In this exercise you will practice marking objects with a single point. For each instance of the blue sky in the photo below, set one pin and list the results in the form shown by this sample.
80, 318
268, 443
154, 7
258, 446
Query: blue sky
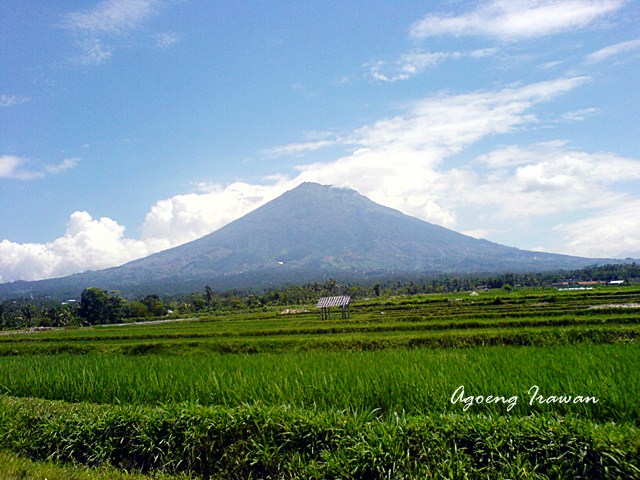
127, 127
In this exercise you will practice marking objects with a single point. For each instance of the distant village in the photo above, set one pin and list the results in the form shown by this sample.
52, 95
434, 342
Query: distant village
582, 285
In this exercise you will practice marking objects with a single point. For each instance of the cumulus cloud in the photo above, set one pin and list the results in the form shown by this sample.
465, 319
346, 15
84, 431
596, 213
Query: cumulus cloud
517, 19
402, 162
400, 178
182, 218
611, 233
87, 244
549, 178
396, 161
91, 244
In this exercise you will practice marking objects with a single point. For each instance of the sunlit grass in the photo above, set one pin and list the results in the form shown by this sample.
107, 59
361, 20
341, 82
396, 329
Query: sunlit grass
15, 467
415, 381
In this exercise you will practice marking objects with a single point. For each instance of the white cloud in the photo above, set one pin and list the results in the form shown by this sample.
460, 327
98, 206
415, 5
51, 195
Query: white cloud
90, 244
25, 261
514, 155
546, 179
66, 164
613, 232
98, 28
448, 123
517, 19
401, 162
182, 218
407, 66
551, 65
613, 50
15, 168
483, 52
303, 147
579, 115
416, 62
551, 160
166, 39
110, 16
8, 165
399, 178
94, 51
398, 161
315, 140
87, 244
12, 100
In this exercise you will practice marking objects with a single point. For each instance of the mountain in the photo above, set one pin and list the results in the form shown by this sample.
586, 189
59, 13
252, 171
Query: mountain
307, 234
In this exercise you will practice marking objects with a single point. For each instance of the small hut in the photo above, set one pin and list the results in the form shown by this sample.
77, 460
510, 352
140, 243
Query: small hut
325, 304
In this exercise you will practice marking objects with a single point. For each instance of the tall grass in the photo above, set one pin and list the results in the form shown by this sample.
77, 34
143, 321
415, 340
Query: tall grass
414, 381
283, 442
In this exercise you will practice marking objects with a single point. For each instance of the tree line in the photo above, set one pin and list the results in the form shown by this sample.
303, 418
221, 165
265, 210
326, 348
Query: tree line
97, 306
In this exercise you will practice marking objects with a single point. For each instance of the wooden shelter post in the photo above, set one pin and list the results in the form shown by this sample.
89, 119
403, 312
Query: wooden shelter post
325, 304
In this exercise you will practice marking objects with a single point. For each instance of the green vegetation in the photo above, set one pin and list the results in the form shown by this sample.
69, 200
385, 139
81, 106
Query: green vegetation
16, 467
96, 306
262, 442
254, 393
416, 382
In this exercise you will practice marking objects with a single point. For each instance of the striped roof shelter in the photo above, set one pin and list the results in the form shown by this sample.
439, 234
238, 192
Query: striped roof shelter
325, 303
334, 301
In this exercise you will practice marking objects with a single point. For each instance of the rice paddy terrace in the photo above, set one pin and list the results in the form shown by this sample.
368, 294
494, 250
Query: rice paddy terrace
409, 387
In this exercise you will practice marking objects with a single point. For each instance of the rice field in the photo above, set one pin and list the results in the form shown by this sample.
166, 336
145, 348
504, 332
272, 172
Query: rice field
544, 383
411, 381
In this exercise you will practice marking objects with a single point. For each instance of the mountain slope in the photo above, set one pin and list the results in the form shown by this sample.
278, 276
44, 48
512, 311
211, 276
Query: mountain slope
328, 228
315, 230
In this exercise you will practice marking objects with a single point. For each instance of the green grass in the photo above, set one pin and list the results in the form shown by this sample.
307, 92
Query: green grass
256, 394
16, 467
414, 381
539, 318
283, 442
